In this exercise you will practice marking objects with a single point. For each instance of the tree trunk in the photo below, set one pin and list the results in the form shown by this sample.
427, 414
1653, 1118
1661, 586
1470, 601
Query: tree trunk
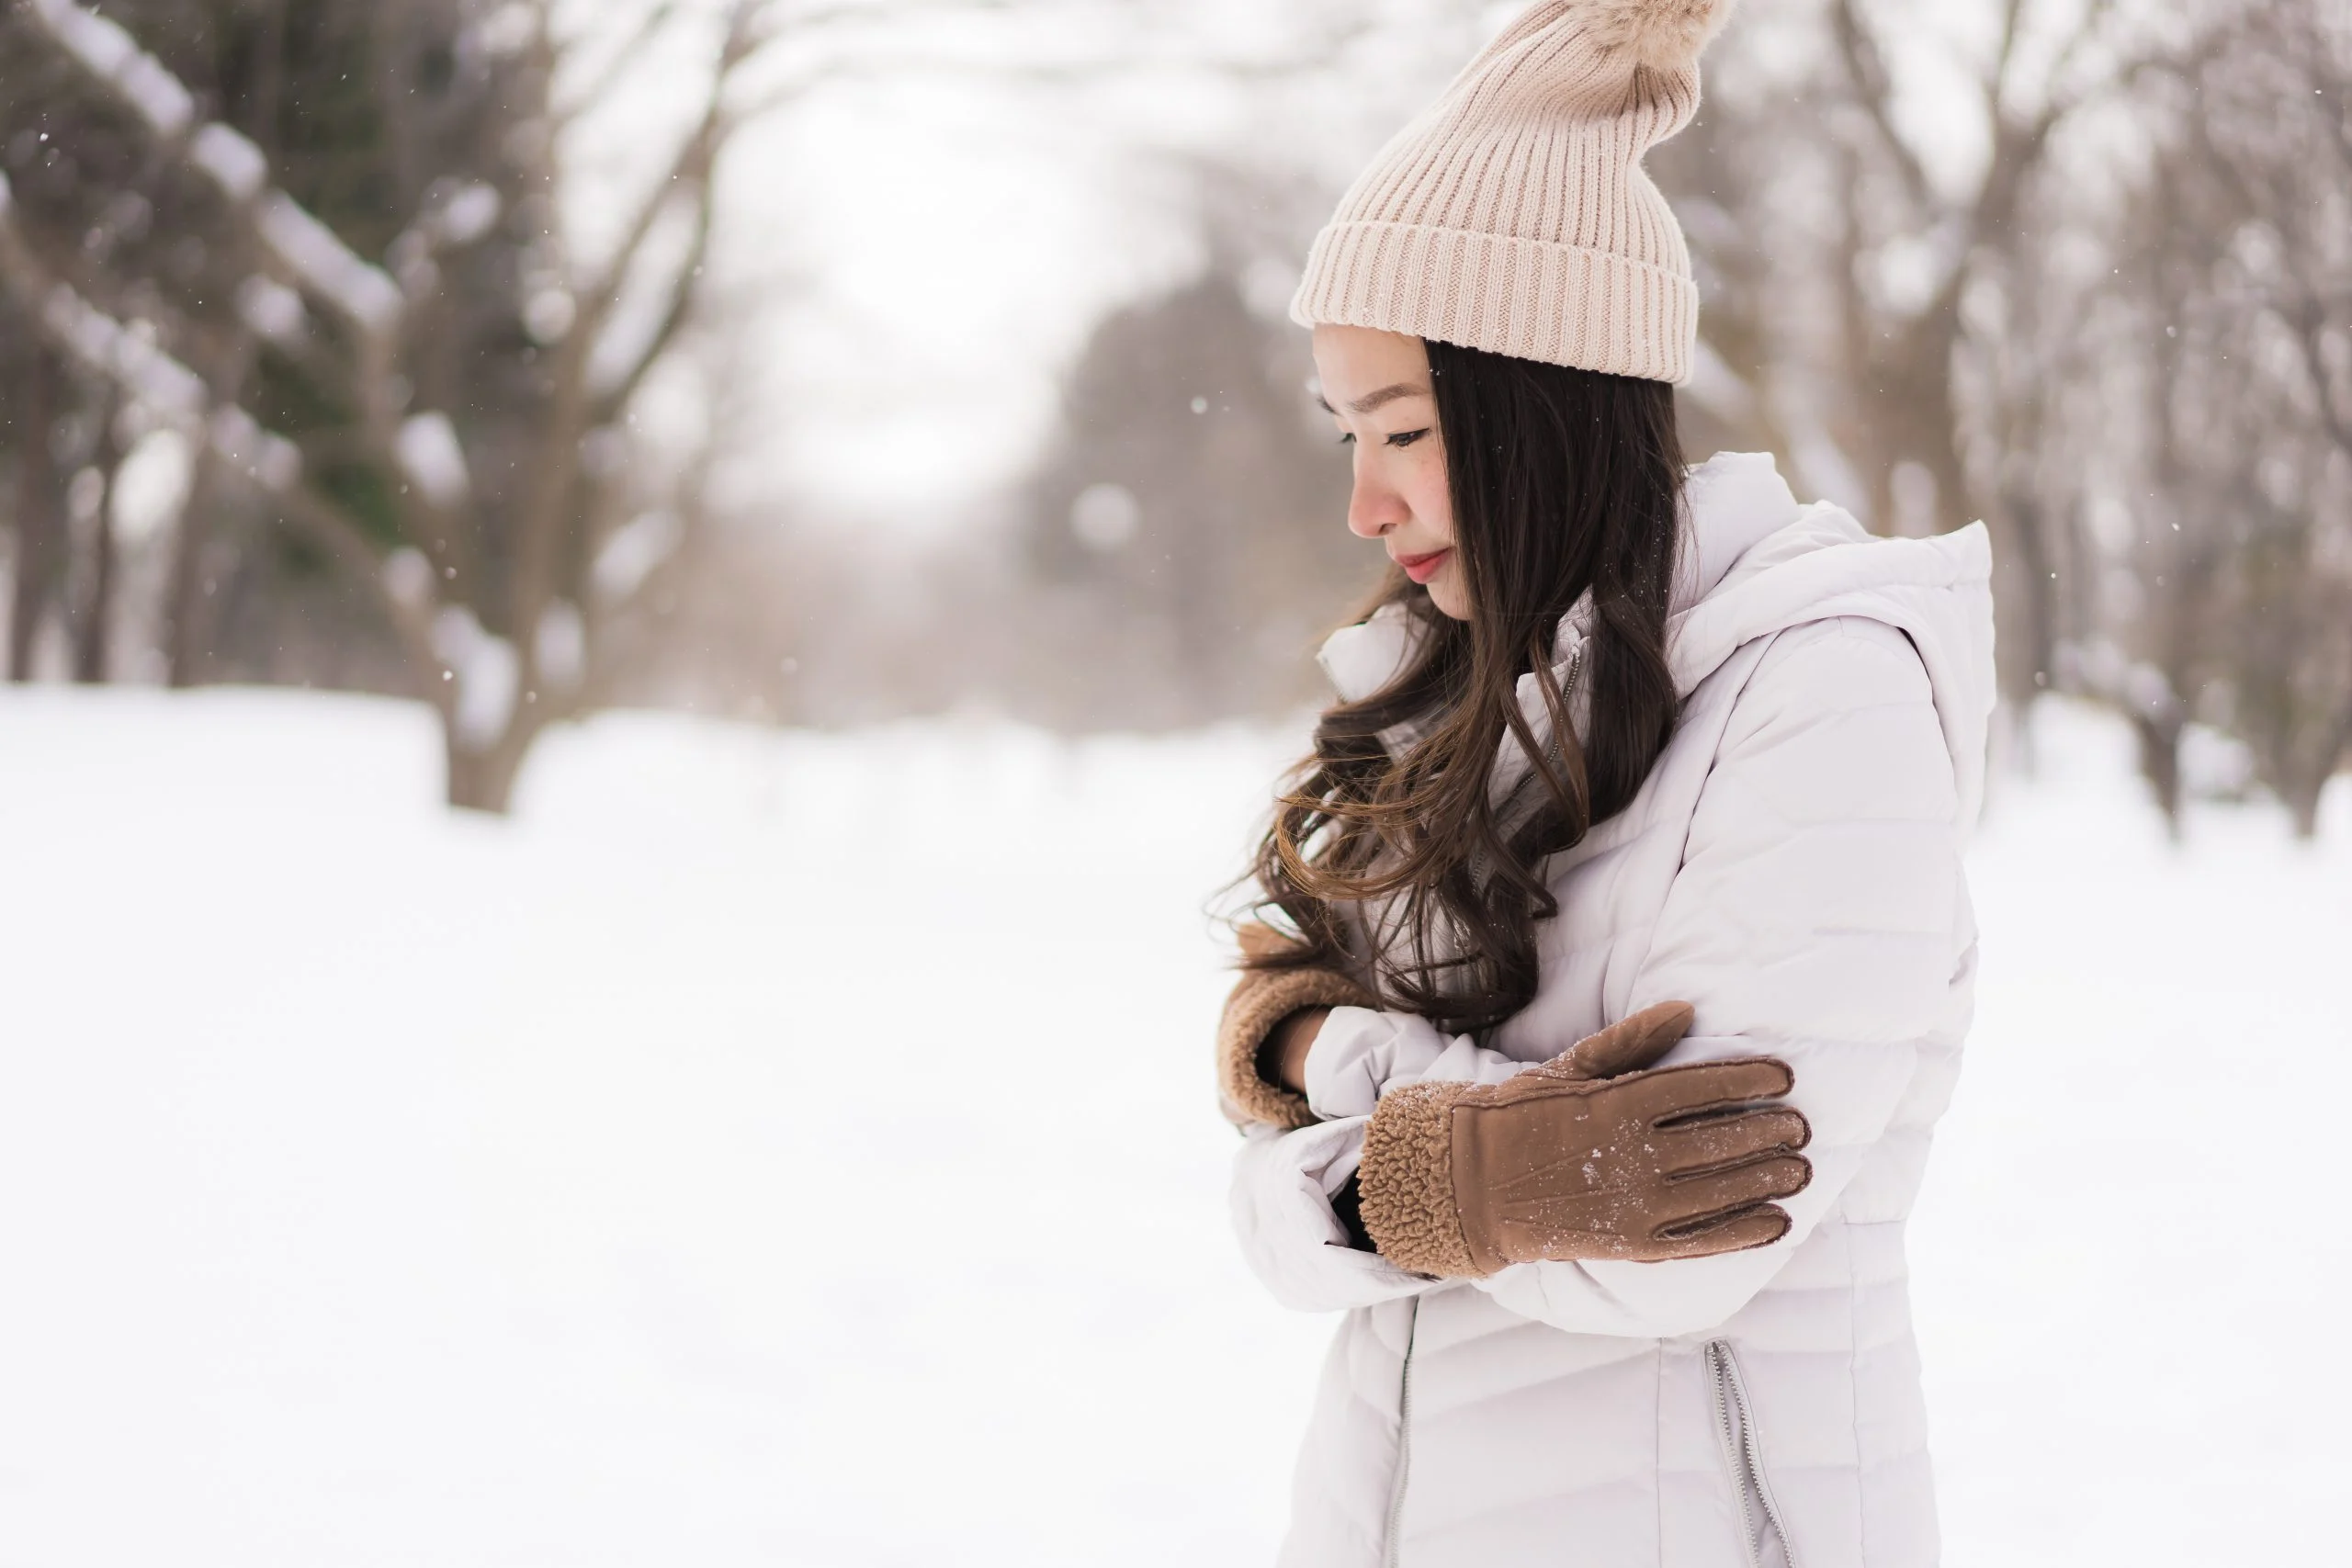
2160, 765
93, 628
91, 641
41, 514
2308, 776
2303, 804
187, 640
188, 622
2033, 601
484, 780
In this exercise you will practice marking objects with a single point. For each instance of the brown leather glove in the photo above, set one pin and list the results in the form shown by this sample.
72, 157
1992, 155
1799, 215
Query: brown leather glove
1568, 1161
1260, 1001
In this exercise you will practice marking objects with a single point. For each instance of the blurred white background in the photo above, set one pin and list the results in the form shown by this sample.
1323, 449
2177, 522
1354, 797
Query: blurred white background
639, 636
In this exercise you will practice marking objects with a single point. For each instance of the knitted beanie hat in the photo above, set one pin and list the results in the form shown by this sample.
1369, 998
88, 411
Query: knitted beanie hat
1513, 214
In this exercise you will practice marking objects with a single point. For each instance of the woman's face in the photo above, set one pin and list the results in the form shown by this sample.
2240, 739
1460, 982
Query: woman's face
1376, 385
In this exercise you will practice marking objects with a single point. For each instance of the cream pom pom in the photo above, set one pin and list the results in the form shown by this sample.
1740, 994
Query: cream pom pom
1665, 35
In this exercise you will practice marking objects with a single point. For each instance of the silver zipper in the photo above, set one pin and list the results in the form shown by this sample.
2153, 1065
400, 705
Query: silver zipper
1393, 1550
1735, 1426
1575, 672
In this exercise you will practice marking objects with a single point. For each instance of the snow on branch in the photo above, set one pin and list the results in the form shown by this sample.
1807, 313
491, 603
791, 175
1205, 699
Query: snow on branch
108, 53
308, 250
484, 669
561, 644
129, 357
408, 578
271, 308
232, 163
268, 456
176, 396
315, 253
179, 398
470, 212
633, 554
434, 460
456, 214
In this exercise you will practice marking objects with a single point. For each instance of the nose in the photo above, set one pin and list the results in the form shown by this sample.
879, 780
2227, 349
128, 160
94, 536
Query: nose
1374, 508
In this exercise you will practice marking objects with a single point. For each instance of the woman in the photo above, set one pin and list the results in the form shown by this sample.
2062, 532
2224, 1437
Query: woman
1661, 767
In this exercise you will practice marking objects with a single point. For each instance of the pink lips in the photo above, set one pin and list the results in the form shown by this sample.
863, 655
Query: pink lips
1421, 569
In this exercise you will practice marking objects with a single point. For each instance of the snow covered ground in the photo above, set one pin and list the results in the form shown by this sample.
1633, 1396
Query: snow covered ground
796, 1150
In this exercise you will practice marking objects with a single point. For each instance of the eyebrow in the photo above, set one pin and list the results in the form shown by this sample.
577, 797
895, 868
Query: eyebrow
1372, 401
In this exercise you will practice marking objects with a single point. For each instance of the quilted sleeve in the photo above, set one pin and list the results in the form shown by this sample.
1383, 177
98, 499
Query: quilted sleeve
1282, 1180
1817, 917
1291, 1237
1362, 1053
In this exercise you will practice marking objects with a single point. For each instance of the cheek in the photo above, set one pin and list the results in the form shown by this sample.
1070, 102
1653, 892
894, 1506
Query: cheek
1425, 488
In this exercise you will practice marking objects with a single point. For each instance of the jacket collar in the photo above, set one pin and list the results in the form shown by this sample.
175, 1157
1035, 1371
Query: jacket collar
1754, 562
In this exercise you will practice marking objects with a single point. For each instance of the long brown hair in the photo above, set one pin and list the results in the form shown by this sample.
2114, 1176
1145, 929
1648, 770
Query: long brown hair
1562, 482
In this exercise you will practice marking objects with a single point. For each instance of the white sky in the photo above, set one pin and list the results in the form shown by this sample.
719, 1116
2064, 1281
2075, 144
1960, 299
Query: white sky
919, 251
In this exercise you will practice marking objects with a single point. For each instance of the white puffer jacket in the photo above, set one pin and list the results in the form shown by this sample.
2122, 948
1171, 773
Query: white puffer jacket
1791, 868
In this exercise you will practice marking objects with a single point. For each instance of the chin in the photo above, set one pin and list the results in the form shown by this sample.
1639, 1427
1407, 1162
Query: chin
1447, 594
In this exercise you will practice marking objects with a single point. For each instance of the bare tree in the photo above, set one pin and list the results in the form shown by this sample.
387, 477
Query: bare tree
40, 512
2243, 555
1918, 255
450, 428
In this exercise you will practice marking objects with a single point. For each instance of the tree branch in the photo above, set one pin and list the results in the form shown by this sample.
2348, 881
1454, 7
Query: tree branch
1866, 68
305, 250
691, 165
155, 380
2309, 319
612, 400
2012, 13
623, 58
2095, 17
299, 248
572, 407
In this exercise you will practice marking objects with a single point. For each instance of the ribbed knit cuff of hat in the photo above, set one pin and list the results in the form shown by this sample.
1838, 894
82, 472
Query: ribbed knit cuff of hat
1528, 298
1259, 1004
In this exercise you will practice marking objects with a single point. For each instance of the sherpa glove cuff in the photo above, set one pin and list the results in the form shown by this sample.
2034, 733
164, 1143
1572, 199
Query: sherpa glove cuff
1260, 1002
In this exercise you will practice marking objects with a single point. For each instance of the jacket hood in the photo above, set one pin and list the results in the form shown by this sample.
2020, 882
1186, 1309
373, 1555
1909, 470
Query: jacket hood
1755, 562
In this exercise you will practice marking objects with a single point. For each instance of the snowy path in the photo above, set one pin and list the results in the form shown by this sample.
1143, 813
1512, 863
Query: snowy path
789, 1150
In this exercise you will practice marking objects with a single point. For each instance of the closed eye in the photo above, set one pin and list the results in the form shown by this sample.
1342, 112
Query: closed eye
1405, 437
